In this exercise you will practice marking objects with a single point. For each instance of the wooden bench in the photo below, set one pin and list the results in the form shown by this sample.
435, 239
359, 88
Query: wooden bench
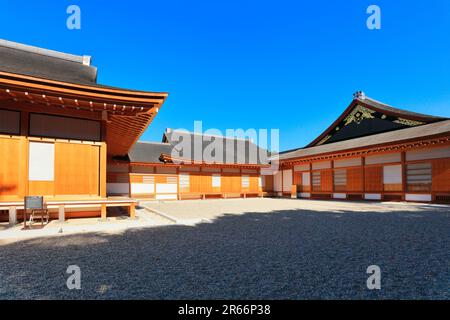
12, 207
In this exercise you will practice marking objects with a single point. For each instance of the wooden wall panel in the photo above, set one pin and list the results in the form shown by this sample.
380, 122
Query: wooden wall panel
77, 169
231, 182
268, 183
254, 183
326, 181
10, 166
195, 182
41, 188
441, 176
355, 179
393, 187
374, 179
297, 178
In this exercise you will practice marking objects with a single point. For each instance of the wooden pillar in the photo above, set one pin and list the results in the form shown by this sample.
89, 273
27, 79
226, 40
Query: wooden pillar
103, 210
23, 171
178, 183
363, 163
332, 178
103, 170
403, 159
132, 211
294, 192
61, 214
12, 216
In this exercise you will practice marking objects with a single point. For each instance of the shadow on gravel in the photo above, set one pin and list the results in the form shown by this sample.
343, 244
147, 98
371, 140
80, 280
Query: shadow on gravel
292, 254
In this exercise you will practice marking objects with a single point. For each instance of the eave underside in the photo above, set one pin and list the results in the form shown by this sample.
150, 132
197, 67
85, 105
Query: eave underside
126, 114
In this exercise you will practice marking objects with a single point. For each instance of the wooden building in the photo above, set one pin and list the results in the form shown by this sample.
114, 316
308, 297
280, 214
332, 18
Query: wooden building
58, 127
152, 171
372, 152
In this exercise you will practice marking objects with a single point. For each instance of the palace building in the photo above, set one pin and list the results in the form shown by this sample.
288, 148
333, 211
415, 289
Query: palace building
152, 170
74, 141
371, 152
59, 127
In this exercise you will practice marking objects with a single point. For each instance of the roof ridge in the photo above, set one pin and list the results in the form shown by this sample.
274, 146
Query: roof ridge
395, 109
84, 59
207, 135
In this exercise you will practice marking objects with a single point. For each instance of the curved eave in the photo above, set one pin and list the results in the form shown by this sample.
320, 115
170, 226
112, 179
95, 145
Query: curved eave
82, 91
123, 129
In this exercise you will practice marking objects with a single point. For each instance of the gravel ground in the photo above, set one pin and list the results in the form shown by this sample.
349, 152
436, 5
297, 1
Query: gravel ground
320, 251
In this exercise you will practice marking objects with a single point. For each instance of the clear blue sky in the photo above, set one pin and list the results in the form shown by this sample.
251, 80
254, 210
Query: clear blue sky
291, 65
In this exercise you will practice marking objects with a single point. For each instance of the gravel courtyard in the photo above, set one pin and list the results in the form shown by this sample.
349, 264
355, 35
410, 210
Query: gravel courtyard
245, 249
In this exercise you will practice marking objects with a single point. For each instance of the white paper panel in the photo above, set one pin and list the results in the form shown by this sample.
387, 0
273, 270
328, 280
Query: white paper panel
216, 180
372, 196
287, 180
245, 181
432, 153
392, 174
117, 188
306, 178
321, 165
384, 158
166, 188
277, 181
184, 180
41, 162
352, 162
418, 197
339, 196
261, 182
142, 188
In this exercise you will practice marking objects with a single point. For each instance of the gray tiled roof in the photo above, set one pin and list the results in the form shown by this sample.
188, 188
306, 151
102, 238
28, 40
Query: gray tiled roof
148, 152
235, 150
42, 63
423, 131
